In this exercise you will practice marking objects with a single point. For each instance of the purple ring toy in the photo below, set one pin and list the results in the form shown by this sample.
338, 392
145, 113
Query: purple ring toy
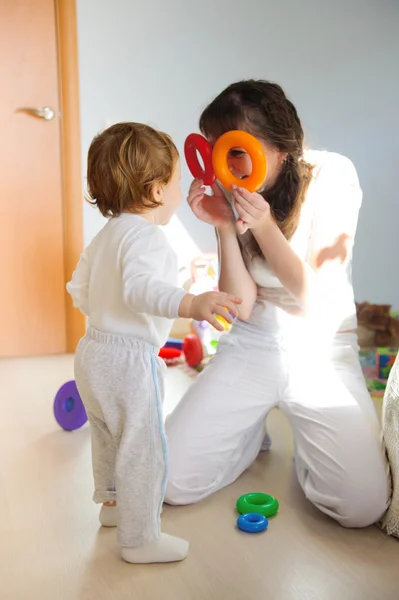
69, 411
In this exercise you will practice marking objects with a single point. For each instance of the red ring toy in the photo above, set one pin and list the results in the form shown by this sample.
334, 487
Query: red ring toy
196, 142
193, 350
170, 356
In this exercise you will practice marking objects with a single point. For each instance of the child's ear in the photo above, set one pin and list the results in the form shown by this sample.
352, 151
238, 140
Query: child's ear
157, 193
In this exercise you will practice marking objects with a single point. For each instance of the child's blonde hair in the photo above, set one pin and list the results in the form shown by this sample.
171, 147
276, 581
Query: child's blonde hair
124, 164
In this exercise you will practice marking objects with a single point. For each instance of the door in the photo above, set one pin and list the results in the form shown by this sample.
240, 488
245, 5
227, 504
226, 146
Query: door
32, 299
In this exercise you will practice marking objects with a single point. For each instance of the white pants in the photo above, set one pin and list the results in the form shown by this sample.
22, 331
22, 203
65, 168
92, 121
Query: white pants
216, 432
120, 381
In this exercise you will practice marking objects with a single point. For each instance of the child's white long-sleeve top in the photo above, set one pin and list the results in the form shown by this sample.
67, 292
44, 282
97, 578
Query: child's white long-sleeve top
126, 281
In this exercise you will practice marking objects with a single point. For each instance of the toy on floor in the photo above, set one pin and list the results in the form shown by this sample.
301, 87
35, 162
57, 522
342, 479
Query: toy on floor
190, 348
171, 356
196, 346
174, 343
207, 340
252, 523
378, 326
258, 503
193, 350
68, 407
216, 159
385, 360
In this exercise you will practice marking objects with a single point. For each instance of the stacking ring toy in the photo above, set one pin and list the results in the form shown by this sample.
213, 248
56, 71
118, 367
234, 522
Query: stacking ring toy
193, 350
261, 504
195, 142
252, 523
239, 139
68, 407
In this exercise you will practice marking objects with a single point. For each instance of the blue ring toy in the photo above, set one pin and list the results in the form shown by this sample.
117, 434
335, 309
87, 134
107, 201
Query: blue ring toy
252, 523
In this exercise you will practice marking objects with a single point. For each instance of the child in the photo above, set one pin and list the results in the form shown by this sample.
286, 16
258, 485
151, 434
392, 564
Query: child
125, 283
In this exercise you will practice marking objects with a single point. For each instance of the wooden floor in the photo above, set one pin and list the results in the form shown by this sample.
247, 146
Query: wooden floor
51, 547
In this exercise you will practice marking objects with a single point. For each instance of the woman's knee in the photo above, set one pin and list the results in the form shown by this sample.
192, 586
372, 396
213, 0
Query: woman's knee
356, 500
353, 489
365, 486
184, 489
177, 496
363, 505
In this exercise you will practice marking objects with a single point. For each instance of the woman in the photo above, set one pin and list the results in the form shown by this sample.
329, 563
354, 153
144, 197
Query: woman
294, 345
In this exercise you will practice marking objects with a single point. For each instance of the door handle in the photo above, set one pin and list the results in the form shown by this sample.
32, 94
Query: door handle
43, 112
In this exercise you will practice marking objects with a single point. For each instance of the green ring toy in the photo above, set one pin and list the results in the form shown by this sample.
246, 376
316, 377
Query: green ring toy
256, 502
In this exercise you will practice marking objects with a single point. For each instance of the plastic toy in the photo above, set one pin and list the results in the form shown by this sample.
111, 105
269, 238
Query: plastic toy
239, 139
204, 276
193, 350
204, 271
256, 502
171, 356
252, 523
68, 407
197, 143
385, 360
174, 343
216, 160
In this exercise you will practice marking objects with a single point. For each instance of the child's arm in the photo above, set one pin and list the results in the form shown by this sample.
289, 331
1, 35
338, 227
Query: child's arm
148, 269
78, 287
149, 275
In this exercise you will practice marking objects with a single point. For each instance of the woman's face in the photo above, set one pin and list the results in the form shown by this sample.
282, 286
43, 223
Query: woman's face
240, 163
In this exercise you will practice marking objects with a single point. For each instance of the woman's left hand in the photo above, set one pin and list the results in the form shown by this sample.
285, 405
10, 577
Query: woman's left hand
252, 209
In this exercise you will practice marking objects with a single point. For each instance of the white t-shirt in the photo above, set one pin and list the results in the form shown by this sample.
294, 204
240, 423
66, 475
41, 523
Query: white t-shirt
331, 207
126, 281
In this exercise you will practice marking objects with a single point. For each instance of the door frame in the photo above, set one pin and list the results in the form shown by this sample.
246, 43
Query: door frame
72, 190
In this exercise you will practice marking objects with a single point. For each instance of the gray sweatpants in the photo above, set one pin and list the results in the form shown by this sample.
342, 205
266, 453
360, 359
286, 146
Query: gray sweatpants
120, 380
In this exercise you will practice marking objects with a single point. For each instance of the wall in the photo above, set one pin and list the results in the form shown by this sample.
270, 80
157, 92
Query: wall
161, 61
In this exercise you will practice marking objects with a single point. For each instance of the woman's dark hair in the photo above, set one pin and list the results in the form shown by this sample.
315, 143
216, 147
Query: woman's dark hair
263, 109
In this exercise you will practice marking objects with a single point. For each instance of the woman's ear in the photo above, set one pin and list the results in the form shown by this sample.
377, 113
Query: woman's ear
282, 157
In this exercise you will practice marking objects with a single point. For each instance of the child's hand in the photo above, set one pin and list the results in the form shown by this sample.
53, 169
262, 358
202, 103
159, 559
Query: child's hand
215, 209
205, 306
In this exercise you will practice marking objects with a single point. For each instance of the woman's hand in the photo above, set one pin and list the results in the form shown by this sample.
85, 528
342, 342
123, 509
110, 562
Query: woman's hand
215, 209
252, 209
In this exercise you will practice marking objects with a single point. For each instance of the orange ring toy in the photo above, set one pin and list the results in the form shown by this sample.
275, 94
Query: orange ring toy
239, 139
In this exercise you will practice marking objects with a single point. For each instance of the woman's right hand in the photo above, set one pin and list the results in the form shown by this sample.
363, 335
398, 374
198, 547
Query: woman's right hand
214, 210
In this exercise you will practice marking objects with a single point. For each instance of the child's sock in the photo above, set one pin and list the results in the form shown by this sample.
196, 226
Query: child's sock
109, 516
166, 548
